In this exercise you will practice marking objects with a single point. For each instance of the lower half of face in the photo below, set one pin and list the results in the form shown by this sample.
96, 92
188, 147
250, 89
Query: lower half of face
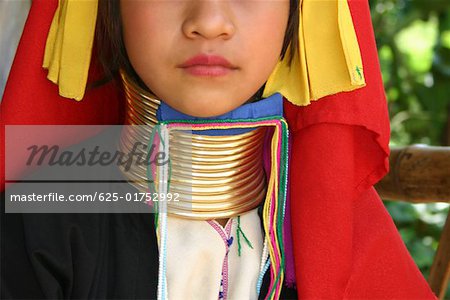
204, 58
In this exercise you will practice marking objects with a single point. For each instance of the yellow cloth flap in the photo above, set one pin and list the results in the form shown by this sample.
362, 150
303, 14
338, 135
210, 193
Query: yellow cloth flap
69, 46
329, 59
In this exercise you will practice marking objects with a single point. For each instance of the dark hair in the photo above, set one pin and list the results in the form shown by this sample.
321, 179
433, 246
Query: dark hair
111, 48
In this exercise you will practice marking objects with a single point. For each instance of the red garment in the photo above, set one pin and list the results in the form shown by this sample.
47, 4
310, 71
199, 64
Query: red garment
345, 243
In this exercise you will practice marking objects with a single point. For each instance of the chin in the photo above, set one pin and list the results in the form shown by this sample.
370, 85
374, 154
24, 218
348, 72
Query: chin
206, 108
202, 111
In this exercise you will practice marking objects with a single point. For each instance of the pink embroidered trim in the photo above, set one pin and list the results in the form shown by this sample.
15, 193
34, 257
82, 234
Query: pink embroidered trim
225, 234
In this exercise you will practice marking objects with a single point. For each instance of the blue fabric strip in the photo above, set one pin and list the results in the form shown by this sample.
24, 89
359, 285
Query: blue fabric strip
268, 107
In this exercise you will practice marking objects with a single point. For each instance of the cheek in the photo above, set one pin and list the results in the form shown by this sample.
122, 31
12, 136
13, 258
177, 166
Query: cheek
265, 36
147, 32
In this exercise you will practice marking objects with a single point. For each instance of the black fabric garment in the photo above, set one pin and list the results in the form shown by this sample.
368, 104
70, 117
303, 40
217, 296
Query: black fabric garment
79, 256
84, 255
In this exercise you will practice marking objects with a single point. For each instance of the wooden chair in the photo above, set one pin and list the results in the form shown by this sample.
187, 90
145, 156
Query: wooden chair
421, 174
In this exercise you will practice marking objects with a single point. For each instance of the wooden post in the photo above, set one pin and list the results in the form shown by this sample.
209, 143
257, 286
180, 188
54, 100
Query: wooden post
440, 270
417, 174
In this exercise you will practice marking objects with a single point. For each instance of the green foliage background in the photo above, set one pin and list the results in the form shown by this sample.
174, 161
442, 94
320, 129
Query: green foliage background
413, 39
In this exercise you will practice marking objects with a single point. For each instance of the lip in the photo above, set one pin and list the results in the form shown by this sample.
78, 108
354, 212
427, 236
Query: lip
208, 65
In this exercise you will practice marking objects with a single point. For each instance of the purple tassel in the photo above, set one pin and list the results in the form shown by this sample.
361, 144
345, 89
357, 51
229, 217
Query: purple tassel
287, 239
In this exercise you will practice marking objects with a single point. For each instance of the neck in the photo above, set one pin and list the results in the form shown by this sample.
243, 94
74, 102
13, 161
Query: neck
214, 176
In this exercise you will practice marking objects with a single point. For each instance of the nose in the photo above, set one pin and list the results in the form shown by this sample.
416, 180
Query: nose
208, 19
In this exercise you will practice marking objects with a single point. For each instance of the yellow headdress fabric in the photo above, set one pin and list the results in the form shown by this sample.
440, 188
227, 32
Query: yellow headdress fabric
69, 46
328, 60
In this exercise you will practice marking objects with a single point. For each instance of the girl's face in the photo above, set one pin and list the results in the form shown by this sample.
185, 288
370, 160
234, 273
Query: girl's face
204, 57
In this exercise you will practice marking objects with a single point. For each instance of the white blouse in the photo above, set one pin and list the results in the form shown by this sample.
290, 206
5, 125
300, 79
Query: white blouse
203, 260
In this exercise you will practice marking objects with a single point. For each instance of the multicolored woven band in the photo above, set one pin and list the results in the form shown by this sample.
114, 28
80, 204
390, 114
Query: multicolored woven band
275, 201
